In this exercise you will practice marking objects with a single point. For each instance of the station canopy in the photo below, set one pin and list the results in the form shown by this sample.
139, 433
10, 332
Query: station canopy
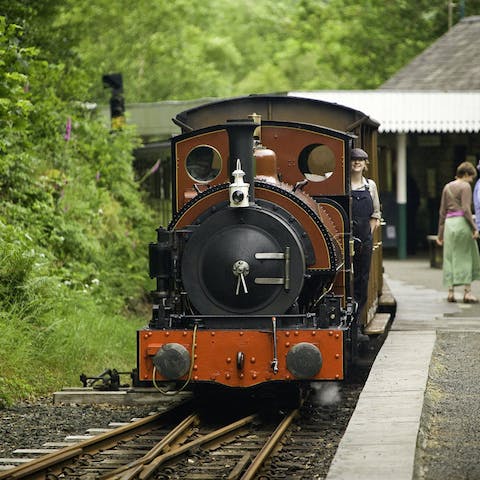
420, 111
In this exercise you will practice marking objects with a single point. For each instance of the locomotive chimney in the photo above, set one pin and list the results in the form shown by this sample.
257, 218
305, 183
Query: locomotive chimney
240, 135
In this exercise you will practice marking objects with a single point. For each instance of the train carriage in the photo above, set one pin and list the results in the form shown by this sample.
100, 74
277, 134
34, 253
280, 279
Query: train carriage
254, 271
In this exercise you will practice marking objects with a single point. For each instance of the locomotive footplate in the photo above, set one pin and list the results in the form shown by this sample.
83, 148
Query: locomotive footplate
241, 358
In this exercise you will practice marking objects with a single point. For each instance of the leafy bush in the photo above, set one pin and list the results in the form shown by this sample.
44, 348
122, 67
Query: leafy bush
73, 228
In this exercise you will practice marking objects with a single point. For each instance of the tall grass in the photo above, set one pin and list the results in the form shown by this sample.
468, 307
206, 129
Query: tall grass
43, 353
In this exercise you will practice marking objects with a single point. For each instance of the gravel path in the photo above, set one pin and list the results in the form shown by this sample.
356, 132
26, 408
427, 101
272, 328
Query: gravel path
448, 445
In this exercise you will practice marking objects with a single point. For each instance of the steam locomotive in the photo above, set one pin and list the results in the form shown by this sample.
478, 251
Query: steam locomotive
254, 272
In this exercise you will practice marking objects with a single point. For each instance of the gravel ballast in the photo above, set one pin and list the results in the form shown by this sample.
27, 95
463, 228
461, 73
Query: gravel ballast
31, 424
448, 443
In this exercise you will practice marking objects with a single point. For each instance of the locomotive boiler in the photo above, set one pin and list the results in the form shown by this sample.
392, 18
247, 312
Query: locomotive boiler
254, 272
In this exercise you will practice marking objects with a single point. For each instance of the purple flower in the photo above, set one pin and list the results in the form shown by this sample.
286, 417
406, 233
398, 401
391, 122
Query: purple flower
68, 129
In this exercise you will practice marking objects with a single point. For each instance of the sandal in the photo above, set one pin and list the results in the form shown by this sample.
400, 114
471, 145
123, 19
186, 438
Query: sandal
451, 297
469, 298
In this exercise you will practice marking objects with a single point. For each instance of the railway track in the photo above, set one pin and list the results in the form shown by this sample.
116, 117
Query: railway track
211, 440
146, 447
57, 463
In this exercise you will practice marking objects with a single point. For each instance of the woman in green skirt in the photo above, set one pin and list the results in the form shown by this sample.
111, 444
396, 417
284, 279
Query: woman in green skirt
457, 232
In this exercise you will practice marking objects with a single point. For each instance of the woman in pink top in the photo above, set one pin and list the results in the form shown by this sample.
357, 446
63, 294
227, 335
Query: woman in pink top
457, 232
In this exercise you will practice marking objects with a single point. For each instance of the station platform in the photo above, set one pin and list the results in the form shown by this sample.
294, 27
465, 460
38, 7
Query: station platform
418, 415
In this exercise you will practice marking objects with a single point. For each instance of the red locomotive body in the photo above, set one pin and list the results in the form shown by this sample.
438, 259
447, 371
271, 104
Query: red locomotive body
254, 278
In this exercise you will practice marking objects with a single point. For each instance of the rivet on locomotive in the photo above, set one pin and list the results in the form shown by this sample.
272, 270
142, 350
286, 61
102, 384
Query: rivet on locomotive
254, 272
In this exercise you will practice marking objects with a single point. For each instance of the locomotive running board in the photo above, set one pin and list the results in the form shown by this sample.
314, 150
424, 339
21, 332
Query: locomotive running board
378, 325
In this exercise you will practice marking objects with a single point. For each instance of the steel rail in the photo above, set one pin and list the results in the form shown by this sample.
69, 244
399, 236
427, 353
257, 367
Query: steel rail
52, 460
148, 470
267, 449
131, 469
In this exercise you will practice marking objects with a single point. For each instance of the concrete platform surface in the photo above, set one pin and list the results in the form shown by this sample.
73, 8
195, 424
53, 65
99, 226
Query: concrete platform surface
381, 436
381, 440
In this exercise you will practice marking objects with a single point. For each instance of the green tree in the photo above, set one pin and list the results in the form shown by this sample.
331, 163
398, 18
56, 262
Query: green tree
177, 49
181, 50
359, 44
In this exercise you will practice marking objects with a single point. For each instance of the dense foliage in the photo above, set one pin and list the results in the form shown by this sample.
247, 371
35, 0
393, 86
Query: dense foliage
73, 227
218, 48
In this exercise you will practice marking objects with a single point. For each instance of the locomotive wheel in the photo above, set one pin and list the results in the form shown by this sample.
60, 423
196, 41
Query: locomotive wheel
243, 261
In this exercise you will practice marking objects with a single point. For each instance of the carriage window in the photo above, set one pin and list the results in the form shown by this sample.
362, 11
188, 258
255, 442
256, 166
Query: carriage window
317, 162
203, 163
